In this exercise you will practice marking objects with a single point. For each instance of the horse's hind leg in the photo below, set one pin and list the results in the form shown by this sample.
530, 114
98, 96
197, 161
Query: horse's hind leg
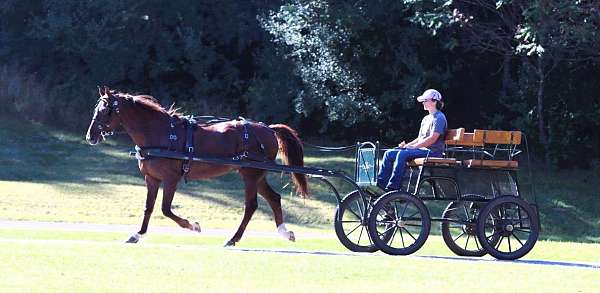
274, 200
152, 185
251, 177
169, 189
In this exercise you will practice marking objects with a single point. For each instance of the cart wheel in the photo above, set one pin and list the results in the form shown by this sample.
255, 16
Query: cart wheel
350, 223
507, 228
399, 223
459, 228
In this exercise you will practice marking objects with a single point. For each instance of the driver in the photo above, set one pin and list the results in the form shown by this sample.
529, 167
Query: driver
429, 143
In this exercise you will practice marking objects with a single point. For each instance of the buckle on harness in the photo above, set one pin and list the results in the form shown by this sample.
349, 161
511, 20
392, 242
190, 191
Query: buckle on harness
190, 149
172, 137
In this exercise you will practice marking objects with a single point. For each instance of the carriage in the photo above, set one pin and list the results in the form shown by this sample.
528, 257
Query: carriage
477, 176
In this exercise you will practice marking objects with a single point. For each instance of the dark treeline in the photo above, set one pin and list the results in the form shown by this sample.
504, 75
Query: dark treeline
349, 70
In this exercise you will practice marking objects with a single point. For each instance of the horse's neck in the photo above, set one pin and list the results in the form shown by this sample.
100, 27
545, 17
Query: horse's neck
150, 131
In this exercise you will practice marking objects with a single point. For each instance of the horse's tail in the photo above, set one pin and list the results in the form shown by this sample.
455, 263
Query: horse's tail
290, 147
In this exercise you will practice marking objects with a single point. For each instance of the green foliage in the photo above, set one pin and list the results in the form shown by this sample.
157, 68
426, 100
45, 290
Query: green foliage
315, 41
348, 69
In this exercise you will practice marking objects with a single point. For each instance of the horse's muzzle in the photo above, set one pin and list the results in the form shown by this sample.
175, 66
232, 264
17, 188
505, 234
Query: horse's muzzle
90, 140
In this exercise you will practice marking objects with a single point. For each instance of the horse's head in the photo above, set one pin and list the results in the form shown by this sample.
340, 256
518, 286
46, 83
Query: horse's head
106, 116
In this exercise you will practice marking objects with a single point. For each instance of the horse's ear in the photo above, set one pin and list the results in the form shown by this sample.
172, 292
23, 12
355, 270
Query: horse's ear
102, 90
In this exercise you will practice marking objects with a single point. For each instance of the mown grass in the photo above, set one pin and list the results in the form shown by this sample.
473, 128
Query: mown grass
48, 261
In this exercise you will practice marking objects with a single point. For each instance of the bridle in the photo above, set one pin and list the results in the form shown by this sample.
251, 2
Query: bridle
102, 125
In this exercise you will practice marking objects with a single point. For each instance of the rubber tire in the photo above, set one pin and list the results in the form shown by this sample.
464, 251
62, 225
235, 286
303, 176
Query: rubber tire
449, 239
490, 247
341, 209
382, 244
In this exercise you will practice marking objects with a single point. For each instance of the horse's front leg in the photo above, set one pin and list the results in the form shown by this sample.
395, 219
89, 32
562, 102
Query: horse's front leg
152, 184
169, 189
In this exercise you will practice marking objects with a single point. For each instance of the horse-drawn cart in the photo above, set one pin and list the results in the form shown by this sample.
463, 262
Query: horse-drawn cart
477, 176
485, 213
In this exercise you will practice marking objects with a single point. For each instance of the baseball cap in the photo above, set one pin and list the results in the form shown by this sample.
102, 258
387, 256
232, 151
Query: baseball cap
430, 94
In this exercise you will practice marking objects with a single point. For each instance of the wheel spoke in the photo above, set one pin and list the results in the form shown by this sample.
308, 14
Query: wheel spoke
393, 235
477, 243
386, 230
409, 234
467, 243
413, 225
524, 231
360, 209
355, 214
352, 231
401, 237
417, 212
461, 234
404, 211
509, 246
386, 222
499, 242
520, 242
495, 234
360, 234
466, 211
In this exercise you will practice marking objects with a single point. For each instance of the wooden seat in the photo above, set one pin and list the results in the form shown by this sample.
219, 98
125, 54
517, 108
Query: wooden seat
453, 137
491, 164
433, 161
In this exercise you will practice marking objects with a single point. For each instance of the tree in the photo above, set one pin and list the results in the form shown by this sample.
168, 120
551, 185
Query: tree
315, 42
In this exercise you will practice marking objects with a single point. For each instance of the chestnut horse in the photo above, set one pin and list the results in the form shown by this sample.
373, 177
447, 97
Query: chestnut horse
150, 125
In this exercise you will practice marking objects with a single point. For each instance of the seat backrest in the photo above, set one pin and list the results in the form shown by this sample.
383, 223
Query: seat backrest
454, 135
497, 137
458, 137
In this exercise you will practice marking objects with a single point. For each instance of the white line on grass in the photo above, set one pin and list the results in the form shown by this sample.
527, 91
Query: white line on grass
580, 265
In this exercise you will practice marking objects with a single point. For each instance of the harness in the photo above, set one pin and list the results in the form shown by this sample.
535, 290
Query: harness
187, 155
246, 141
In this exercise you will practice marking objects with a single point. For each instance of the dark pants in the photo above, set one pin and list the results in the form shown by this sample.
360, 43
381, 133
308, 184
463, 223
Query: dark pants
394, 163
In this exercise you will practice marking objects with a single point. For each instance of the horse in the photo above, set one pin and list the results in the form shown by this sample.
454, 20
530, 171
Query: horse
148, 124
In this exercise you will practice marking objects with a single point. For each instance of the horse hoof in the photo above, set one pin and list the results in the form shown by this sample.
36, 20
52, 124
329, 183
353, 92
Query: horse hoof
292, 237
196, 227
135, 238
229, 243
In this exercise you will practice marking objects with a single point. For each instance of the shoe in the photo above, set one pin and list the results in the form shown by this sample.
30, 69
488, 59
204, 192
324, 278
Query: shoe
381, 186
390, 188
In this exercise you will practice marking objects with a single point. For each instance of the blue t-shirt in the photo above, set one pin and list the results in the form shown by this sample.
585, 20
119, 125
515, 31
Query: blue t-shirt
435, 122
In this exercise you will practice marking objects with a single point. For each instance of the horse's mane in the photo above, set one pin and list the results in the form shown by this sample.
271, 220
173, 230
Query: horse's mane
150, 103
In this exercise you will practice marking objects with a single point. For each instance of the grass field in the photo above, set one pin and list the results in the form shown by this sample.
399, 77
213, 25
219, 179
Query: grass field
49, 175
51, 261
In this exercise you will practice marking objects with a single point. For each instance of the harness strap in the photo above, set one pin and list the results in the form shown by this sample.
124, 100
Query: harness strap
245, 136
189, 145
247, 131
172, 133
